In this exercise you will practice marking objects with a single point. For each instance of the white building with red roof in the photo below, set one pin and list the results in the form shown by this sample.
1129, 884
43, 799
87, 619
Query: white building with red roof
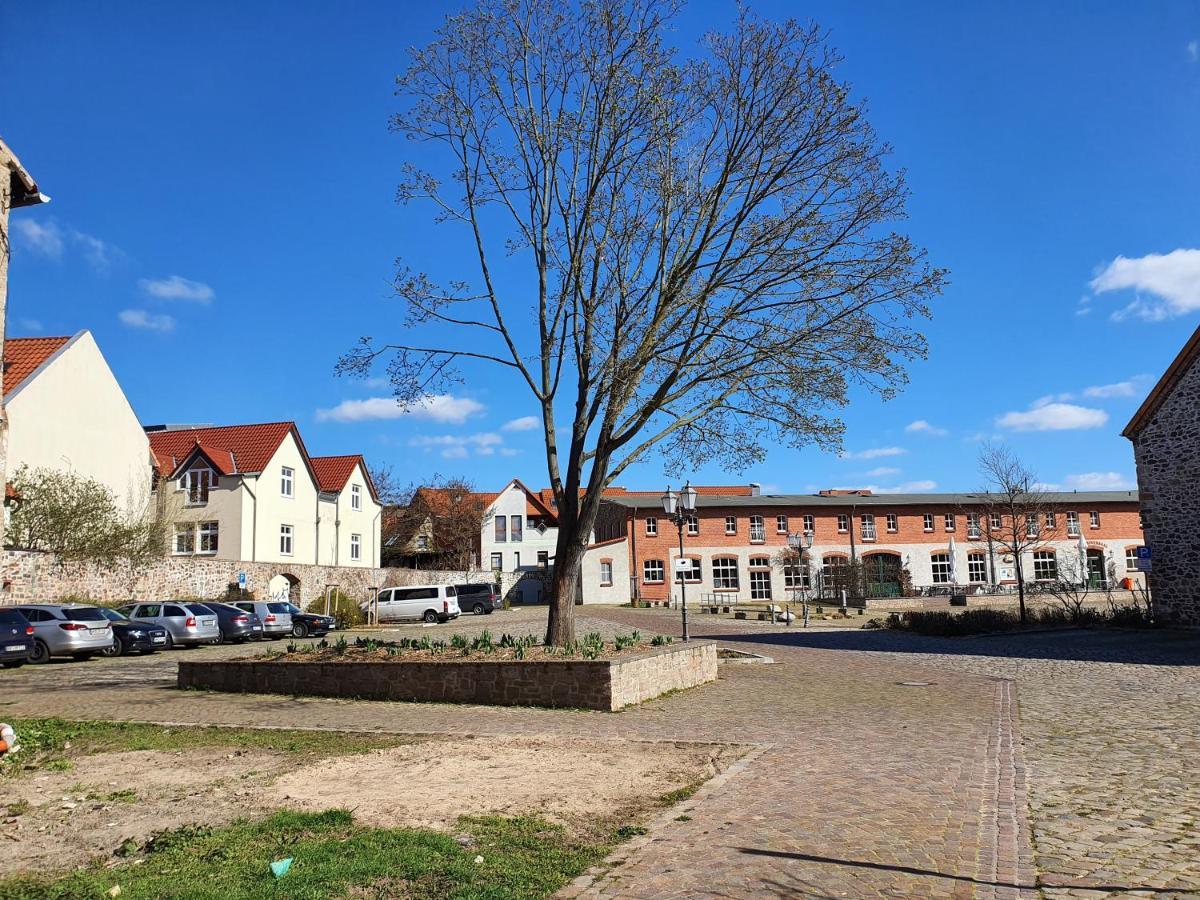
65, 410
253, 493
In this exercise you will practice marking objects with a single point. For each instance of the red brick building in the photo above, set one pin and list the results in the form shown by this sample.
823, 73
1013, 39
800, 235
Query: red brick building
922, 540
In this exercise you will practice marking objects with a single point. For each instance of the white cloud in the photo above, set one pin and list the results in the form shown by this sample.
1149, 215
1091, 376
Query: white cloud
376, 382
99, 254
1099, 481
139, 318
1105, 391
508, 451
176, 287
456, 446
525, 423
45, 240
1193, 51
883, 472
434, 408
874, 453
922, 427
31, 324
905, 487
1172, 280
1048, 415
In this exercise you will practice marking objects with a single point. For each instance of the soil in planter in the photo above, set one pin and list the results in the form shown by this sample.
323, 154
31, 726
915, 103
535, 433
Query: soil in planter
458, 648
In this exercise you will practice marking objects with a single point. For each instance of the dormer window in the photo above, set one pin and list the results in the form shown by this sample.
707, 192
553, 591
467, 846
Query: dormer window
287, 481
196, 484
355, 496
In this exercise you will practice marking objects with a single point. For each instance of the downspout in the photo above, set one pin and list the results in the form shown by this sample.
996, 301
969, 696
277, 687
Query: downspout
317, 542
635, 583
253, 521
374, 543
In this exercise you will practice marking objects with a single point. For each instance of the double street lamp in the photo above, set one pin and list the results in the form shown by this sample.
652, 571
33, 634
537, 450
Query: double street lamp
679, 507
800, 542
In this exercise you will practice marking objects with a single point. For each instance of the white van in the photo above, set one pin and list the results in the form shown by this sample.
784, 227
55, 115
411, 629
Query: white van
415, 603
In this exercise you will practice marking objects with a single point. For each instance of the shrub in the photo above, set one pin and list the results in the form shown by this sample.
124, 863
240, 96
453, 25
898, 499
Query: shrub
341, 607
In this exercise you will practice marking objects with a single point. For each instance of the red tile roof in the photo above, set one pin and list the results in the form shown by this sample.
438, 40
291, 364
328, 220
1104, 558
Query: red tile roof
23, 356
332, 472
246, 448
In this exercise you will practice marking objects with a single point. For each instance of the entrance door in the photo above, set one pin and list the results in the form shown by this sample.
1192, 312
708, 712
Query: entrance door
1095, 565
883, 574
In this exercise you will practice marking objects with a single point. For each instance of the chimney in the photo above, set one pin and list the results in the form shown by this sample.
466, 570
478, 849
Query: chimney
755, 489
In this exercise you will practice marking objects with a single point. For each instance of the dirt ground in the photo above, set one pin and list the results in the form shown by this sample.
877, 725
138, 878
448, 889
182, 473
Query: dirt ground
55, 820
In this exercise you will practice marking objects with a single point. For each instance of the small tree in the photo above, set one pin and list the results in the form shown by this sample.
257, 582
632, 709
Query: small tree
442, 521
1073, 586
1015, 514
77, 519
693, 256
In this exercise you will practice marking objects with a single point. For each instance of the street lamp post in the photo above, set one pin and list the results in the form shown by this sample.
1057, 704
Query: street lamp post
801, 541
678, 508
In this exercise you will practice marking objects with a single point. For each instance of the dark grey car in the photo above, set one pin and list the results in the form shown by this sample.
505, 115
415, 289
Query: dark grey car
479, 598
236, 625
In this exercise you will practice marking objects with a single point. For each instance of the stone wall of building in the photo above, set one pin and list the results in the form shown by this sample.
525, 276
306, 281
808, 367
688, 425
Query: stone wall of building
1167, 451
585, 684
27, 577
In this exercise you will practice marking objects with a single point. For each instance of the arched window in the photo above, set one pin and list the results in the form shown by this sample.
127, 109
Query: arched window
1045, 565
940, 566
725, 573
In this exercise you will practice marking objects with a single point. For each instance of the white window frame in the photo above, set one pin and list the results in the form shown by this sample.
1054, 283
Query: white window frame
995, 521
731, 524
355, 497
606, 573
977, 568
204, 532
758, 530
796, 578
287, 482
939, 567
726, 577
287, 538
949, 522
843, 521
809, 522
693, 526
693, 575
866, 525
760, 584
182, 528
1131, 557
1051, 520
651, 526
196, 488
1033, 528
973, 531
497, 562
355, 547
893, 523
1094, 519
653, 571
1072, 524
1040, 560
781, 524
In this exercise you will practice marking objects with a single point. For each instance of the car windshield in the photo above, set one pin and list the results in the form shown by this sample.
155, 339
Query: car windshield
199, 609
112, 615
280, 607
293, 608
83, 614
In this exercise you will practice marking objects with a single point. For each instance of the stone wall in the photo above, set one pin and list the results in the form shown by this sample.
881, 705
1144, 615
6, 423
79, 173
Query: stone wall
1167, 451
27, 577
586, 684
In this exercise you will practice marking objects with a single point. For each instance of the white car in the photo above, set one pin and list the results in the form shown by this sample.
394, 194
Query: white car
417, 603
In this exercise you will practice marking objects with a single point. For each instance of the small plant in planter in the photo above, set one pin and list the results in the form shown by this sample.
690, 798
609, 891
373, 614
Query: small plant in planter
660, 640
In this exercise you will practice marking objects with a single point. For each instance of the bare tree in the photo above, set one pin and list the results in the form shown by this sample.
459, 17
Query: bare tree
441, 522
682, 256
387, 485
1014, 515
78, 520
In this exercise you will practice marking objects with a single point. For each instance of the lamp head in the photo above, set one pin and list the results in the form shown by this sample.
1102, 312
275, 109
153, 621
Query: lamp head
687, 498
670, 502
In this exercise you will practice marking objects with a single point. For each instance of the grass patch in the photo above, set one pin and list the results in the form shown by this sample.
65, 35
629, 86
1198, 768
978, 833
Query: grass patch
522, 857
670, 798
940, 623
50, 744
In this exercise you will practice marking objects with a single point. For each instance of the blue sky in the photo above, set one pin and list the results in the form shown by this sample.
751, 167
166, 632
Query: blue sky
223, 221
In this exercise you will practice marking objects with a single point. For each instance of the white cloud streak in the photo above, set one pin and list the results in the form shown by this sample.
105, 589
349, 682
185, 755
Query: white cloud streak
874, 453
1099, 481
1048, 415
525, 423
1107, 391
43, 239
140, 318
883, 472
176, 287
456, 446
1172, 281
442, 408
920, 426
1193, 51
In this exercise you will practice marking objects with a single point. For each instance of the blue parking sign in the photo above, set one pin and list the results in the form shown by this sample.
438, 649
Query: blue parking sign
1143, 552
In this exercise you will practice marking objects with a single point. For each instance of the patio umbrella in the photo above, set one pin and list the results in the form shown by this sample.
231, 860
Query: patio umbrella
953, 563
1084, 575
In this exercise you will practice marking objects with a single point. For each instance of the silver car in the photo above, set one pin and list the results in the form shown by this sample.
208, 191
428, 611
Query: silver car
66, 629
276, 616
187, 624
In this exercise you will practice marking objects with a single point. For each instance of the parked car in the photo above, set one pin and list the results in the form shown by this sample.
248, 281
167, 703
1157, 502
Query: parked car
130, 636
16, 638
187, 624
479, 598
237, 625
428, 603
66, 629
276, 616
306, 623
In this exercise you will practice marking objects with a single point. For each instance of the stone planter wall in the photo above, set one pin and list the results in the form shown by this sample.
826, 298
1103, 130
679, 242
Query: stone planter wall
589, 684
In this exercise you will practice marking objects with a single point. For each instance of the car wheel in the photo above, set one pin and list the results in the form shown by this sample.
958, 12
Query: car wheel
430, 616
40, 654
170, 641
300, 630
478, 609
13, 663
81, 657
116, 649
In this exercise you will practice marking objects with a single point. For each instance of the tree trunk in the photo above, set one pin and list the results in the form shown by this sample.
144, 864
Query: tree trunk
1020, 586
568, 561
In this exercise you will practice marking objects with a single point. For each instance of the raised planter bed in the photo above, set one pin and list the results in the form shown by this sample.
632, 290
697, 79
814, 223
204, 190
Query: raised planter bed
608, 684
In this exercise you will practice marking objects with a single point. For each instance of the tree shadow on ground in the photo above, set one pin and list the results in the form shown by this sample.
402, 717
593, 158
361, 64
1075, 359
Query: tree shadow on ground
1150, 647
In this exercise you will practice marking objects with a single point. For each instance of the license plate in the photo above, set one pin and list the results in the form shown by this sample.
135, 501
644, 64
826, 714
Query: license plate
97, 630
15, 648
258, 628
208, 621
159, 639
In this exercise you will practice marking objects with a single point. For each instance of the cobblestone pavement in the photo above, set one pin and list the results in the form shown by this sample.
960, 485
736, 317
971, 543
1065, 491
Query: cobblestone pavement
860, 785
